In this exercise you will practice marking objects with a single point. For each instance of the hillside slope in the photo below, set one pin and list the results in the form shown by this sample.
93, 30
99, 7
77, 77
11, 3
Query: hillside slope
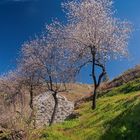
125, 77
117, 117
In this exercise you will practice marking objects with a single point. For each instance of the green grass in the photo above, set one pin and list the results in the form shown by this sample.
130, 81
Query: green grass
131, 86
117, 117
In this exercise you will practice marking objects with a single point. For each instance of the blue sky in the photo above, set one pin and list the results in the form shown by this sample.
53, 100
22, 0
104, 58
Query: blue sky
20, 20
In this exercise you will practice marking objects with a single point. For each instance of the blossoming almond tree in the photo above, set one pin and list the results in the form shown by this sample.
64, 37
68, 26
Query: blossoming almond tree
49, 60
29, 70
97, 33
94, 36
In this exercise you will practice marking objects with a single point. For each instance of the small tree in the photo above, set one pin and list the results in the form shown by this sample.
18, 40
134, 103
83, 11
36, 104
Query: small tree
94, 36
30, 70
11, 87
52, 64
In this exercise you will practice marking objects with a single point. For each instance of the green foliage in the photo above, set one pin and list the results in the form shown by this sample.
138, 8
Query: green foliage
129, 87
115, 118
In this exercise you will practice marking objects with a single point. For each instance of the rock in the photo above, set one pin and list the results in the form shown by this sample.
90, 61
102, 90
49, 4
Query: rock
44, 105
78, 103
74, 115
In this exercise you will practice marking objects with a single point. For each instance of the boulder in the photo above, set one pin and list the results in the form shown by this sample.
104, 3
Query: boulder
44, 104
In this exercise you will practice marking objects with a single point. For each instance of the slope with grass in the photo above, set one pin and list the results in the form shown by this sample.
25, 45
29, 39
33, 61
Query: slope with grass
125, 77
117, 117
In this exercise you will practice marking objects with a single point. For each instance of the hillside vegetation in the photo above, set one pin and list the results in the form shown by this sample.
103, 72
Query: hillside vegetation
125, 77
117, 117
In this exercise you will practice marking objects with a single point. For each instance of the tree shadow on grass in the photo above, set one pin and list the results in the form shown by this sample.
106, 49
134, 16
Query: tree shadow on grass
124, 127
130, 88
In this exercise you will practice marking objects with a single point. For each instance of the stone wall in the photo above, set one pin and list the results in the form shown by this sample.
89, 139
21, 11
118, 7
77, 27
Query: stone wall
44, 104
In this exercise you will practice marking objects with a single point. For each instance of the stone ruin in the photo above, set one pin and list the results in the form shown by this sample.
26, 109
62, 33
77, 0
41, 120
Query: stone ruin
44, 104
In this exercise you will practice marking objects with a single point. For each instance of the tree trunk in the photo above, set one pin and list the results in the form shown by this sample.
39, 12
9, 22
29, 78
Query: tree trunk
96, 79
54, 109
31, 98
32, 116
94, 98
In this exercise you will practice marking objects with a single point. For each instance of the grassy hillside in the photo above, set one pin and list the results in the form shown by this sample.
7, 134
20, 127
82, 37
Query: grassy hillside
117, 117
125, 77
